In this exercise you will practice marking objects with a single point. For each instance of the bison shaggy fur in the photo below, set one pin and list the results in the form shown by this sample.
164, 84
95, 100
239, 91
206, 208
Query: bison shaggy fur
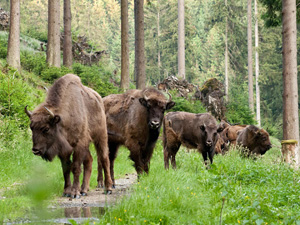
254, 140
64, 125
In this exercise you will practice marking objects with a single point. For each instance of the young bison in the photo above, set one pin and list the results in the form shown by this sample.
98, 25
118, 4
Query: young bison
254, 140
197, 131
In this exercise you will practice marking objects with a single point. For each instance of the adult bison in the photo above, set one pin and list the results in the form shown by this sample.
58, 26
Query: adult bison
70, 118
134, 120
199, 131
254, 140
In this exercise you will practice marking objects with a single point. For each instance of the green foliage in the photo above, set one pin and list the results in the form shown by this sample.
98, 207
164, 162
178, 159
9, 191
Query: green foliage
239, 113
185, 105
50, 74
13, 99
3, 44
259, 191
32, 62
96, 77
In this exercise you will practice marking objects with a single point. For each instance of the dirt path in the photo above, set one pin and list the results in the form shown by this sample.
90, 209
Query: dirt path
96, 197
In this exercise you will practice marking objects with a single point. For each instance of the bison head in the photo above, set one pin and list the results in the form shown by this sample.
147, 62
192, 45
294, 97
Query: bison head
156, 105
210, 134
45, 133
263, 140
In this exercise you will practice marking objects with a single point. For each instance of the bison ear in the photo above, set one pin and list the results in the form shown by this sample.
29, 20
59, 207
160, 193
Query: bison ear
170, 105
55, 119
143, 102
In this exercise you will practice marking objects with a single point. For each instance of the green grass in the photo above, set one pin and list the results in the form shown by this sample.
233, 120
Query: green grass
261, 191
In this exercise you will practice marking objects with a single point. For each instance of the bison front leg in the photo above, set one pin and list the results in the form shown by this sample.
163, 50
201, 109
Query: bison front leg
66, 166
87, 170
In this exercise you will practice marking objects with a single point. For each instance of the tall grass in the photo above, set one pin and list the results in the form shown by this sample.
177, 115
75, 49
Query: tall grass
261, 191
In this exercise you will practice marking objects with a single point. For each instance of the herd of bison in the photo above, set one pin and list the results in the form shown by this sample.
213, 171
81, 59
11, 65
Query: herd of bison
74, 115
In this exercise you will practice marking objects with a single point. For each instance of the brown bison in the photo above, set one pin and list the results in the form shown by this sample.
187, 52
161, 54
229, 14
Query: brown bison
134, 120
70, 118
255, 140
199, 131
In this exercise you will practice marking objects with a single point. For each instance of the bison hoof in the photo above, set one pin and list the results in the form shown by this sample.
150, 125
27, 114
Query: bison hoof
66, 195
114, 186
76, 196
83, 194
109, 192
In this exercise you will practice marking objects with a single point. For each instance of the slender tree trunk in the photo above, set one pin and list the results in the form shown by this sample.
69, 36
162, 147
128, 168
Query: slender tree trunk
290, 84
226, 55
250, 63
53, 45
67, 52
13, 50
181, 35
158, 37
257, 66
140, 70
124, 46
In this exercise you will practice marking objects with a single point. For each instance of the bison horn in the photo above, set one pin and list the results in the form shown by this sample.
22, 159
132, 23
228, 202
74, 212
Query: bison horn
170, 97
50, 113
27, 111
144, 95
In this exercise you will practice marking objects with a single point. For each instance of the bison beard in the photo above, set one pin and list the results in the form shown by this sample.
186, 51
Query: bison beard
64, 125
198, 131
134, 120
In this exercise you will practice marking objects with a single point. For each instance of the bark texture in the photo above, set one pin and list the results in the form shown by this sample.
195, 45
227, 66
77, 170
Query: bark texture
289, 57
13, 49
53, 46
67, 44
250, 62
181, 45
124, 46
139, 67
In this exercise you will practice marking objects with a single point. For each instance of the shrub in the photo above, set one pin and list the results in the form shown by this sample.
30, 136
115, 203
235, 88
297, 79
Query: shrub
185, 105
52, 73
35, 63
96, 77
239, 113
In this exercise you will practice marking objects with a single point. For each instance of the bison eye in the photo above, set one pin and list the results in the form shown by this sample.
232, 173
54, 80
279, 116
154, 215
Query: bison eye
45, 130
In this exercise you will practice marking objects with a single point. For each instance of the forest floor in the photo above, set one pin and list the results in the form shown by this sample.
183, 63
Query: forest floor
91, 206
97, 198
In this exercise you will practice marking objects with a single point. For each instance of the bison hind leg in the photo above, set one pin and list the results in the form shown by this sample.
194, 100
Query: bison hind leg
87, 168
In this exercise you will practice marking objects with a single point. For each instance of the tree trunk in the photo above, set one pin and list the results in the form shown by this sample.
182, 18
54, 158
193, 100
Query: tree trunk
53, 45
139, 67
289, 58
250, 63
257, 66
158, 41
67, 51
124, 46
226, 55
181, 35
13, 49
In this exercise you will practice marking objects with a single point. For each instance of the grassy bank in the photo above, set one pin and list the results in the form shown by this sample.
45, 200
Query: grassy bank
235, 190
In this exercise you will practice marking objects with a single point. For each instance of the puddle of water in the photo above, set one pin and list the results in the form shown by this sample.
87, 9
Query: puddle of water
64, 216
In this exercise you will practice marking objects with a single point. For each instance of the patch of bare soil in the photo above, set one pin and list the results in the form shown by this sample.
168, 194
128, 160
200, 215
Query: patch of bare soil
97, 198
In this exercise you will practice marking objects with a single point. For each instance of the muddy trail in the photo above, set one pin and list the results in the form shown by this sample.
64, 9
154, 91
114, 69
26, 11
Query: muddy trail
64, 210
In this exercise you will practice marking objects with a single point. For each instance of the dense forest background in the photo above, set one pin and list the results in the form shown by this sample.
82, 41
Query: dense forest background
99, 21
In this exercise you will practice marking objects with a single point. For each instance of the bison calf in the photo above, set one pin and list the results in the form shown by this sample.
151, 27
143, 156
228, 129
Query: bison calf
64, 125
197, 131
254, 140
